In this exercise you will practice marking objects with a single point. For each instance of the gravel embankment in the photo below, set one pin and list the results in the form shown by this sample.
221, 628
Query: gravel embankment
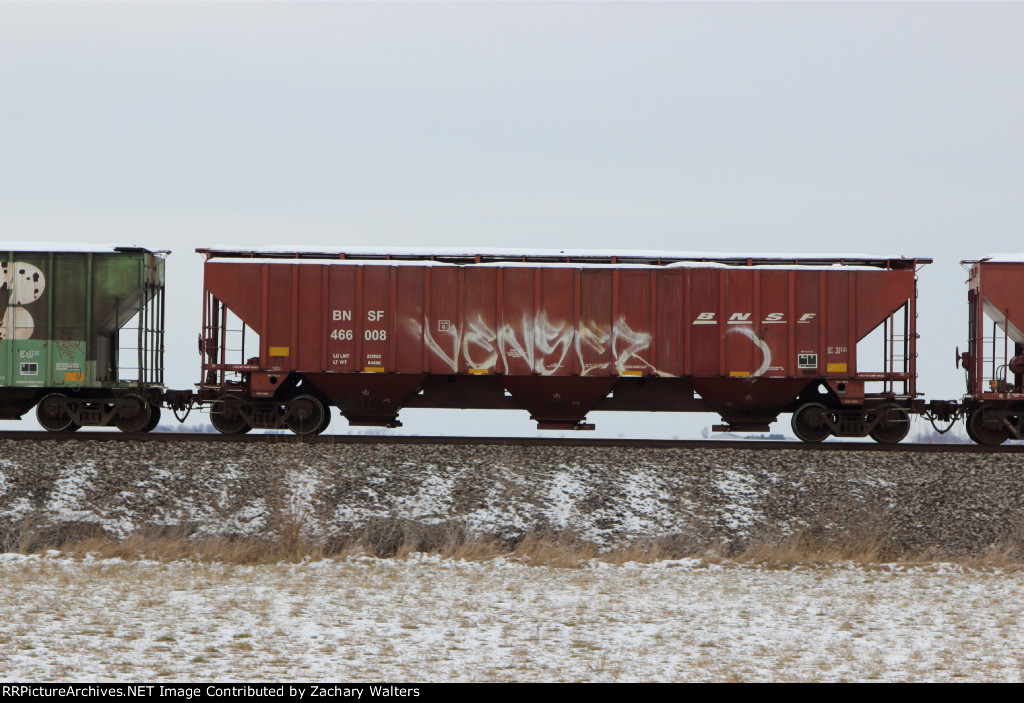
946, 505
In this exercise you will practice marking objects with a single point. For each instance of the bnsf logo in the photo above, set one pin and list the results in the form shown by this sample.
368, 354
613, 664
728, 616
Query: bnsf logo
743, 318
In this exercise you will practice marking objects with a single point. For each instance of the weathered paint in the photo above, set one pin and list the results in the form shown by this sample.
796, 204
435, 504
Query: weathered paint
741, 321
732, 326
996, 302
61, 310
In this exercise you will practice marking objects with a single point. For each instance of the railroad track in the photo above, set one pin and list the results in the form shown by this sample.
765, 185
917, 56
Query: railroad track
759, 445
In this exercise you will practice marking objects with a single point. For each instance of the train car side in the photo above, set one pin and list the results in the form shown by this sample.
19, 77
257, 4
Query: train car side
63, 311
994, 360
558, 335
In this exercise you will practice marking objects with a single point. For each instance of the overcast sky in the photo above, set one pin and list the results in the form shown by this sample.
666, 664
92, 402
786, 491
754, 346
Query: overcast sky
748, 127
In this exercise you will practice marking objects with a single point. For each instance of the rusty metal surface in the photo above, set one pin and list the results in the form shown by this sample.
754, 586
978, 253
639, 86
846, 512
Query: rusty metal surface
996, 330
749, 338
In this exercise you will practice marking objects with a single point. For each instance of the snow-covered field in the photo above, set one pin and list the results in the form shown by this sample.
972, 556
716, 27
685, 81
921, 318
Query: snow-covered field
430, 619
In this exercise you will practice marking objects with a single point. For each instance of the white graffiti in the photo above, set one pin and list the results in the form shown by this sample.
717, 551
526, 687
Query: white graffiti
20, 284
549, 339
480, 336
596, 339
542, 344
634, 342
761, 344
417, 330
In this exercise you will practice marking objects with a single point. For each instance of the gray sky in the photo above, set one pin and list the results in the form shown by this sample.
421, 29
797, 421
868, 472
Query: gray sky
788, 127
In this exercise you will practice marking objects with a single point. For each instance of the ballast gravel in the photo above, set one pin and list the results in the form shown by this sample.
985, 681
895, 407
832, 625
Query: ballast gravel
946, 505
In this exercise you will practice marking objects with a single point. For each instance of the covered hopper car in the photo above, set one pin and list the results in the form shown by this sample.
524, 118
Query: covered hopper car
64, 349
287, 334
994, 360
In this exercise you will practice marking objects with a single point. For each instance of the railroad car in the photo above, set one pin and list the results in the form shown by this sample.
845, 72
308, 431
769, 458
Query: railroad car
994, 360
286, 334
64, 346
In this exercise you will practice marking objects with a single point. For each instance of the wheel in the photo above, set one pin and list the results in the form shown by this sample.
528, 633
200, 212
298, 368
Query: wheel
52, 416
327, 420
809, 423
226, 416
306, 416
154, 419
894, 427
135, 414
983, 435
970, 432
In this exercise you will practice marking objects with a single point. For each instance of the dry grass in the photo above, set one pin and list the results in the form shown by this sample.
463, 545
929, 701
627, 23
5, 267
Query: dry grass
397, 538
437, 619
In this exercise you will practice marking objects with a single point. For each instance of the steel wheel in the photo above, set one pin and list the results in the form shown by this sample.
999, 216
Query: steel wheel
134, 415
306, 416
226, 416
970, 432
809, 423
893, 429
154, 419
51, 415
983, 435
327, 420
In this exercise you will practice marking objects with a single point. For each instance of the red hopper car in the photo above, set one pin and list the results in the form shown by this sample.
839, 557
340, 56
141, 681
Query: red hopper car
287, 334
994, 359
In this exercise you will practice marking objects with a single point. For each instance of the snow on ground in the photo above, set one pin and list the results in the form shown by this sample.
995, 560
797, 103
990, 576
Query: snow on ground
943, 505
428, 619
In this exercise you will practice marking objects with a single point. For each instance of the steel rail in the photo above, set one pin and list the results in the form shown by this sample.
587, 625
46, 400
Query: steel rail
344, 439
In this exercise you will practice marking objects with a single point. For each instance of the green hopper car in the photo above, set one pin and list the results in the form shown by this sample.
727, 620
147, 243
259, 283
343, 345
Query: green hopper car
82, 335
